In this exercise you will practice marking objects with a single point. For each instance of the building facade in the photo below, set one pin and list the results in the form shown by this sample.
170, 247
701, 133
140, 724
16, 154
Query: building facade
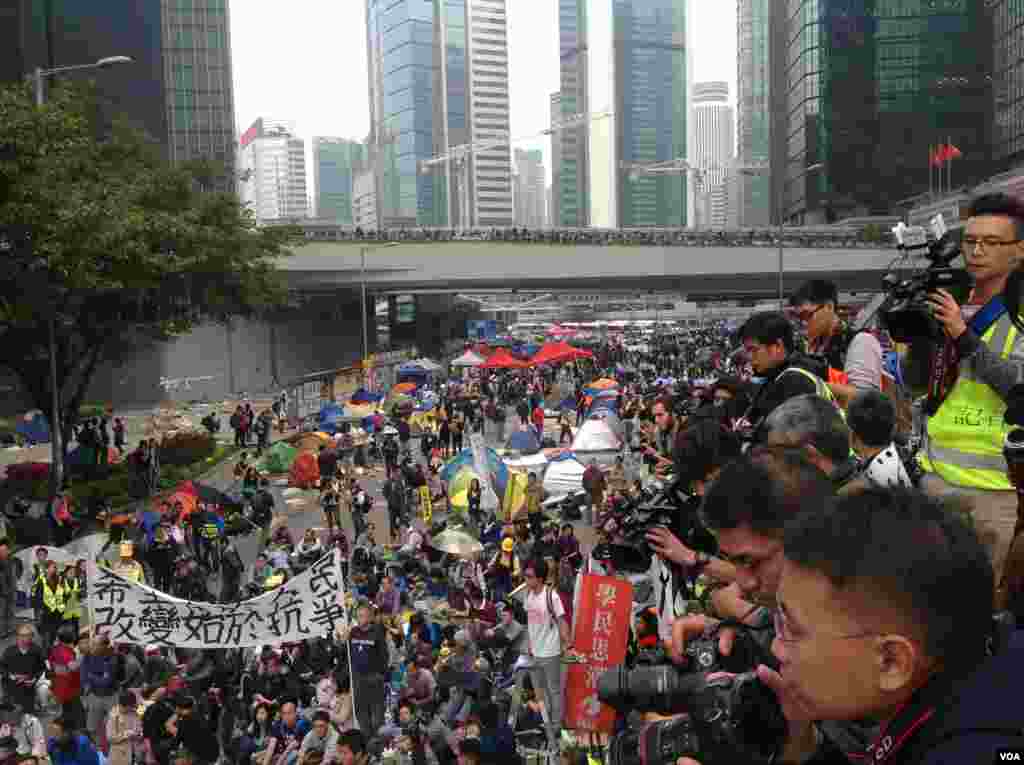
1008, 83
637, 82
272, 163
530, 193
200, 103
859, 93
68, 32
714, 148
438, 79
570, 176
753, 82
335, 161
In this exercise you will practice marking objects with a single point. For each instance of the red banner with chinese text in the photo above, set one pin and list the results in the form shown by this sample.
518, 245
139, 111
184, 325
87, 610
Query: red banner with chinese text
601, 635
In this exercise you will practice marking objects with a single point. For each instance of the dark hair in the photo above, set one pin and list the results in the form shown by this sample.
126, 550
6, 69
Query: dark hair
1003, 205
763, 489
768, 327
872, 416
320, 715
470, 747
902, 548
667, 403
127, 699
815, 292
810, 420
539, 566
354, 740
704, 446
184, 702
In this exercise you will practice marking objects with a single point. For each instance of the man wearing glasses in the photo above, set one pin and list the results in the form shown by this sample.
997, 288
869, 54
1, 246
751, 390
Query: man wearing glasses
857, 354
982, 359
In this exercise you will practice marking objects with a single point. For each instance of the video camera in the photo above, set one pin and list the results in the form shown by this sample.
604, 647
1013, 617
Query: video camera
659, 504
905, 311
725, 719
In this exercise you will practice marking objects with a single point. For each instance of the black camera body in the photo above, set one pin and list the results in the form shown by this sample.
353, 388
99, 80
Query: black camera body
703, 654
905, 312
725, 719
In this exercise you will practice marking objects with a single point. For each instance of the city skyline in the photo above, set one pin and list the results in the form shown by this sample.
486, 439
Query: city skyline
319, 37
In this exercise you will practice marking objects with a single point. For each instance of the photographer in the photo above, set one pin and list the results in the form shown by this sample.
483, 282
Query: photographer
979, 359
858, 355
768, 340
660, 438
866, 629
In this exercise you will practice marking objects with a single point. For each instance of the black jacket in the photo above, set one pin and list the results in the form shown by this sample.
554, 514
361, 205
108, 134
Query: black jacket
780, 385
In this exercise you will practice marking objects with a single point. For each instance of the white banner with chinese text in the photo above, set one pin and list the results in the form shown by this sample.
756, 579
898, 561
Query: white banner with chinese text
309, 605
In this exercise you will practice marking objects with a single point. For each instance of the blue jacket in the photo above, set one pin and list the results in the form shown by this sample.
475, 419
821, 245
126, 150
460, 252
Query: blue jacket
98, 675
82, 754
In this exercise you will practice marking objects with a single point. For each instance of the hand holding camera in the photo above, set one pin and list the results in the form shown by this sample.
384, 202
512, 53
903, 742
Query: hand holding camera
946, 311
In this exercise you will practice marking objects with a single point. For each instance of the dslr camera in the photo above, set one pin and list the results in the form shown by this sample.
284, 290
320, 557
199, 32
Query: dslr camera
727, 719
905, 311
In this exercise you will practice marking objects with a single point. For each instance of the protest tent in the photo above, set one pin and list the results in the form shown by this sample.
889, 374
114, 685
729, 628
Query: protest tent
502, 359
524, 441
330, 417
304, 472
404, 387
558, 352
598, 434
363, 396
564, 475
498, 469
467, 359
33, 427
527, 462
279, 458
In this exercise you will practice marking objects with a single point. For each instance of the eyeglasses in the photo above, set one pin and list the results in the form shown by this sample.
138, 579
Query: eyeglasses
784, 632
988, 242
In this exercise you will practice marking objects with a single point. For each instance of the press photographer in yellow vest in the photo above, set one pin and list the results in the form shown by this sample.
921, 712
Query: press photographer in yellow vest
962, 452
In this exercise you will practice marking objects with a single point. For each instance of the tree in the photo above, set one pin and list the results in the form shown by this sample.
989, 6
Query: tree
111, 246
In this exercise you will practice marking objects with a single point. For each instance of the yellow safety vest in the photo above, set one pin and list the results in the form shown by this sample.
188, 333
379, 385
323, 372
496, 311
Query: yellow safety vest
53, 600
72, 602
964, 443
820, 386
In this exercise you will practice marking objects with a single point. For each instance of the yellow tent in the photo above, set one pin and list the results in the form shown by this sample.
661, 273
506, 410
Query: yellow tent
515, 493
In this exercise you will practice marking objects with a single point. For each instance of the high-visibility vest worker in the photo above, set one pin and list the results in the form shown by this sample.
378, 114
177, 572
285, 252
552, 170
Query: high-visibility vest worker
53, 598
964, 444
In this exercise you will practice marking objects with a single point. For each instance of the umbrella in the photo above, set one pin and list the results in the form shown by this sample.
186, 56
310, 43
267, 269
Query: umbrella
603, 383
455, 542
406, 387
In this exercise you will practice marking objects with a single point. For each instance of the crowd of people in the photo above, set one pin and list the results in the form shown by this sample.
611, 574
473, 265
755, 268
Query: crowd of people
856, 546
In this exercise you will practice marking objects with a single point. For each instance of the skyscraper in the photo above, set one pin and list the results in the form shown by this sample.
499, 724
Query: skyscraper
570, 165
754, 110
556, 160
438, 78
1008, 83
178, 87
861, 91
272, 163
635, 62
714, 148
530, 198
67, 32
200, 102
335, 161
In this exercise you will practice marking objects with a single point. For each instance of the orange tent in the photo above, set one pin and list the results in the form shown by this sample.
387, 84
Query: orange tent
305, 471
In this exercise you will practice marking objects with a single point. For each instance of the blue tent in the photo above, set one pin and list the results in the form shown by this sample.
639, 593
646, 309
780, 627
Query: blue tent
34, 427
524, 441
330, 418
363, 396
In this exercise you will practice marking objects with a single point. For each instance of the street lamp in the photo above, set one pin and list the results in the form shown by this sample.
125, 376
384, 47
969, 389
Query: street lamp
362, 289
39, 77
778, 212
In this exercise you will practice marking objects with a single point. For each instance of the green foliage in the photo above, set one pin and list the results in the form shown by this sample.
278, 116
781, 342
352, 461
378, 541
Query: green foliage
120, 248
186, 447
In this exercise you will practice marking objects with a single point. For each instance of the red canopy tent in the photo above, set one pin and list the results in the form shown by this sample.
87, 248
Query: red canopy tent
558, 352
502, 359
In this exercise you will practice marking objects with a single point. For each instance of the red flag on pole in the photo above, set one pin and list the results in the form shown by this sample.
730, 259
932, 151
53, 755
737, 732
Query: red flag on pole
952, 152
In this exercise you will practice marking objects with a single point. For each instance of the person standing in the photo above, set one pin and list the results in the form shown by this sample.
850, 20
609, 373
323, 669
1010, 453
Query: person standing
22, 665
66, 686
8, 589
547, 638
368, 651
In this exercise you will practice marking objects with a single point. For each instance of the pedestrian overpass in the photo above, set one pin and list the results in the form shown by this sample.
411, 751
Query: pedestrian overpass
696, 272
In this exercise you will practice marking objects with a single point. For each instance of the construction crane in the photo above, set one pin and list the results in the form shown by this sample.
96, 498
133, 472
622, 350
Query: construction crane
457, 157
682, 166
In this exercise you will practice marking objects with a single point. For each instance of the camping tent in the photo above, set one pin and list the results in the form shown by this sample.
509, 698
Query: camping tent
330, 418
279, 458
598, 434
34, 427
502, 359
304, 472
564, 475
523, 441
498, 469
467, 359
363, 396
558, 352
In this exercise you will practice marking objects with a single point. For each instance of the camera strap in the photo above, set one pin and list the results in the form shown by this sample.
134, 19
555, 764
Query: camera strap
945, 366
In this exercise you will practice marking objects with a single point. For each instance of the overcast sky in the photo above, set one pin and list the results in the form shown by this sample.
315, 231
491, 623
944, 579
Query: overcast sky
305, 61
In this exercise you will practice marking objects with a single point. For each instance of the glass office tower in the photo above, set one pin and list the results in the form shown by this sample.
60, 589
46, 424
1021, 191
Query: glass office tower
754, 115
